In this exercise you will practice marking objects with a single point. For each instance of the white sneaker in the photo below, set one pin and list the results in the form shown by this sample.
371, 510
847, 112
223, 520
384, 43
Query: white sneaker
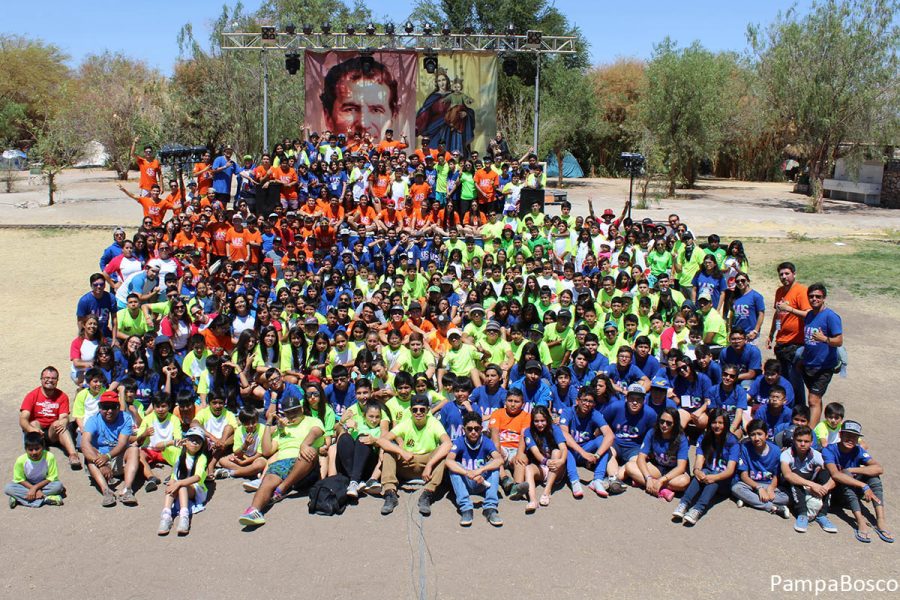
184, 524
165, 523
252, 485
599, 487
577, 490
739, 503
222, 473
353, 489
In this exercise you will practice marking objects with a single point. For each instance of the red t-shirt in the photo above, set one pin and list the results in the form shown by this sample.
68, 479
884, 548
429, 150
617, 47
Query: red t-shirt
43, 409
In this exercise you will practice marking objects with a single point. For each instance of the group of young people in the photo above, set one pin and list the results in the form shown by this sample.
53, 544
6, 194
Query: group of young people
507, 351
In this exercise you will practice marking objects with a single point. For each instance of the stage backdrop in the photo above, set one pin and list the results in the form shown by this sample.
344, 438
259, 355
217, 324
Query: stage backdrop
458, 103
342, 98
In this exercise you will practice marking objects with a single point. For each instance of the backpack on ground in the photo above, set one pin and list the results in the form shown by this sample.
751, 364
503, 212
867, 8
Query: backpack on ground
328, 496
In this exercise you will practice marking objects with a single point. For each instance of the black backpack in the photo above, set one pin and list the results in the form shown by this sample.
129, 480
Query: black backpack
328, 496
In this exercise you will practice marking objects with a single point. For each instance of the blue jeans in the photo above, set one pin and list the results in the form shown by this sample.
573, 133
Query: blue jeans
700, 495
463, 487
18, 491
573, 461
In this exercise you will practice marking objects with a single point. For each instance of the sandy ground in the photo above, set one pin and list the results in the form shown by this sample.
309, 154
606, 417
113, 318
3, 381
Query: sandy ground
624, 546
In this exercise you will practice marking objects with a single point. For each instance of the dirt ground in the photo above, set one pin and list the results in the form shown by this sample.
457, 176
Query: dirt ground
623, 547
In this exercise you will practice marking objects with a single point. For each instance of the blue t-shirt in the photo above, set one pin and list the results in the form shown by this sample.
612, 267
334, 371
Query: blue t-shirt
450, 416
659, 408
775, 423
657, 450
819, 355
340, 401
629, 429
707, 283
746, 308
101, 307
749, 359
692, 394
730, 401
530, 442
539, 396
105, 435
624, 378
650, 366
472, 458
579, 381
222, 180
599, 363
487, 402
718, 463
845, 460
759, 391
565, 399
290, 391
761, 468
582, 429
713, 371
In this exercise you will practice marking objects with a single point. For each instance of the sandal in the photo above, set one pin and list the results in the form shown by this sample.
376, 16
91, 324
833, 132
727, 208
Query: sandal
545, 500
885, 535
530, 508
862, 536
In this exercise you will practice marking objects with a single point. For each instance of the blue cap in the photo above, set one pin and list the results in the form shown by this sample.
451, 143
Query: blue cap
660, 382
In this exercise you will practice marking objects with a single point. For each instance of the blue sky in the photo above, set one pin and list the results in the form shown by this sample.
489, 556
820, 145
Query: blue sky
614, 29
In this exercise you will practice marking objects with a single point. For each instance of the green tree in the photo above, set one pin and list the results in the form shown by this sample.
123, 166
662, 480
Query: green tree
618, 87
832, 77
685, 106
59, 141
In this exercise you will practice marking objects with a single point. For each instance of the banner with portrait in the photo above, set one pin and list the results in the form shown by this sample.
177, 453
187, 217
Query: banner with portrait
457, 104
349, 93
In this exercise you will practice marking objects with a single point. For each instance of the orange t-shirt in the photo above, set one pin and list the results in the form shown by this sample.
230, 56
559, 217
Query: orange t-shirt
334, 212
791, 331
218, 233
510, 427
419, 194
486, 180
149, 170
156, 211
204, 180
183, 239
238, 244
391, 219
286, 177
425, 326
365, 216
218, 345
176, 201
390, 146
380, 184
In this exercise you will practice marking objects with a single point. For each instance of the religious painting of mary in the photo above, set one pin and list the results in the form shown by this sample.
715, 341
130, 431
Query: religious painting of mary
447, 115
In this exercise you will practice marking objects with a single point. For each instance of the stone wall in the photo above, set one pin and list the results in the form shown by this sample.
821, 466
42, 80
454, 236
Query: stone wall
890, 184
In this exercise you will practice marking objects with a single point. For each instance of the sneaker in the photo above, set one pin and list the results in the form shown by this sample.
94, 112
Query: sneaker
425, 503
826, 525
679, 512
13, 502
53, 500
598, 486
277, 496
667, 494
782, 511
75, 463
739, 503
518, 492
493, 517
165, 523
507, 484
465, 518
252, 517
372, 487
252, 485
109, 499
801, 523
222, 473
152, 484
616, 487
127, 498
390, 502
353, 489
184, 524
692, 516
577, 490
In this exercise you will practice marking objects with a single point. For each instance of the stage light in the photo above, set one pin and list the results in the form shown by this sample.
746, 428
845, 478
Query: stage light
445, 29
430, 62
267, 33
533, 38
510, 67
366, 62
351, 29
408, 27
326, 27
307, 29
370, 29
489, 29
510, 29
290, 29
292, 62
389, 29
468, 30
427, 29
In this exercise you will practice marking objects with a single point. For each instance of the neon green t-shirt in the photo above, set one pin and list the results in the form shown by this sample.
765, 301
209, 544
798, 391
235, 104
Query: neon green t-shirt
288, 440
420, 441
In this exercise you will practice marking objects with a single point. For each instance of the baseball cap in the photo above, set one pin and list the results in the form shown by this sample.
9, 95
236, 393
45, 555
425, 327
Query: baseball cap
537, 328
291, 403
492, 326
108, 398
660, 382
564, 313
397, 309
161, 339
447, 279
434, 288
852, 427
532, 365
608, 213
476, 308
635, 388
248, 157
454, 331
704, 296
311, 321
414, 306
610, 325
195, 432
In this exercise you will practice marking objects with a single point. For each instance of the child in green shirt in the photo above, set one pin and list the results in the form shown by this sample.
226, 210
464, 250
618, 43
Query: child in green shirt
35, 479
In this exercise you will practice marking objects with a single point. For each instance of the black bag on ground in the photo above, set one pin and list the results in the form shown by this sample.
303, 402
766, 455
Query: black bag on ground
328, 496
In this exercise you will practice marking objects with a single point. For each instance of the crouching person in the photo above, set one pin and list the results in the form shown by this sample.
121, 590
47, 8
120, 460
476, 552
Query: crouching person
807, 481
414, 448
474, 465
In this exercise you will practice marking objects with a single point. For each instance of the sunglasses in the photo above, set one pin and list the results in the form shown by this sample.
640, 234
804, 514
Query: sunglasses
667, 423
729, 375
418, 410
109, 406
473, 428
313, 393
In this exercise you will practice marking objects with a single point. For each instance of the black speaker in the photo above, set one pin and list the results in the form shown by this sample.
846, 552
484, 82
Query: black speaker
530, 196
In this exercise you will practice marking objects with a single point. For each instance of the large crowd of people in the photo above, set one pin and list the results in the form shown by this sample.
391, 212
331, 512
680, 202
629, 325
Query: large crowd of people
344, 318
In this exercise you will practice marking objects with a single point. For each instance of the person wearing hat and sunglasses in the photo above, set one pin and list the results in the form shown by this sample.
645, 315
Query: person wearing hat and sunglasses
415, 447
290, 441
474, 464
107, 453
857, 476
